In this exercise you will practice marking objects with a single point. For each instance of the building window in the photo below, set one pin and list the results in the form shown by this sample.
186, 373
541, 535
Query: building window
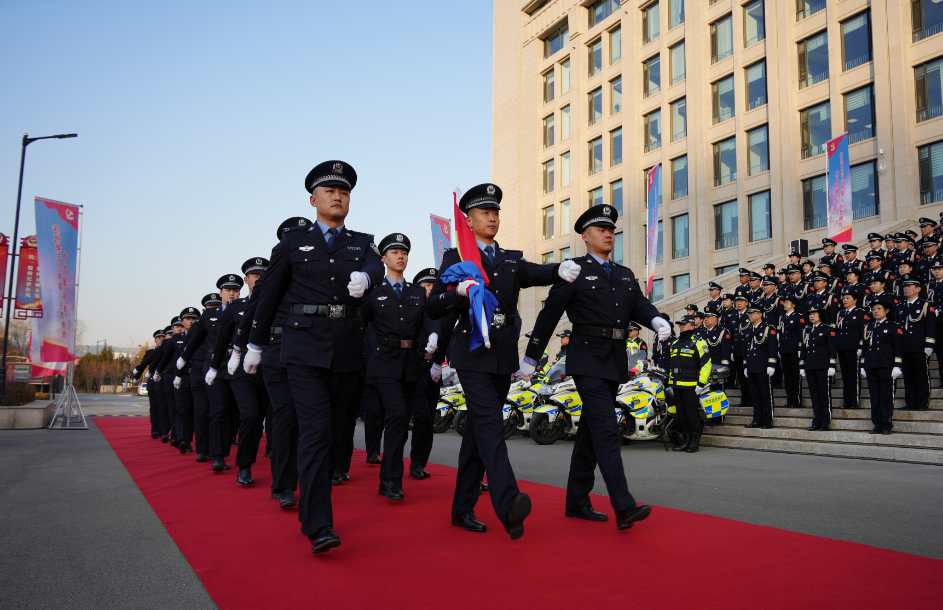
927, 18
546, 216
565, 76
595, 106
722, 39
658, 290
677, 63
601, 9
724, 269
725, 161
548, 86
615, 96
679, 236
651, 76
615, 145
660, 252
595, 197
557, 39
679, 177
564, 253
548, 176
565, 122
565, 169
545, 259
760, 227
931, 173
807, 8
564, 220
815, 125
756, 85
754, 26
725, 225
680, 283
814, 204
929, 86
617, 248
650, 24
758, 140
548, 131
595, 156
679, 120
615, 45
859, 114
723, 100
856, 41
864, 191
653, 131
813, 60
595, 58
615, 196
676, 13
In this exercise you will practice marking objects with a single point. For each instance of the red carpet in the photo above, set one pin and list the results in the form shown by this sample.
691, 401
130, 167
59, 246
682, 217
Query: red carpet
250, 554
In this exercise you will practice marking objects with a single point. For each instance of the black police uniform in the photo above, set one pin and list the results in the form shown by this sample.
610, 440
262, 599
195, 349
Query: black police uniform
714, 304
157, 388
871, 297
850, 341
834, 262
373, 412
827, 302
186, 404
772, 308
924, 265
151, 398
858, 289
720, 343
800, 293
934, 293
817, 355
739, 326
791, 325
661, 355
883, 350
743, 289
918, 321
195, 364
167, 370
760, 351
854, 265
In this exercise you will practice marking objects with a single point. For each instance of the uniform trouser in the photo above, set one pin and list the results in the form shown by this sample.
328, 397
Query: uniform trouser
483, 448
163, 420
254, 403
322, 399
598, 443
153, 408
284, 429
398, 397
820, 394
762, 398
184, 410
220, 395
686, 407
350, 425
851, 382
201, 411
170, 392
746, 397
881, 390
424, 405
916, 371
792, 382
373, 415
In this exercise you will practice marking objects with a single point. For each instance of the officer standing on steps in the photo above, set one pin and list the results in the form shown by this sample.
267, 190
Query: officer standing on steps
791, 324
485, 373
817, 356
718, 339
600, 304
851, 261
689, 374
323, 271
881, 361
739, 325
760, 364
833, 259
917, 318
935, 297
744, 286
823, 300
850, 342
715, 301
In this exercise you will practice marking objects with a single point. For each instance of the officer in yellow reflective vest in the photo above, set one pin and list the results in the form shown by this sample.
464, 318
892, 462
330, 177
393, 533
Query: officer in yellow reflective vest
689, 372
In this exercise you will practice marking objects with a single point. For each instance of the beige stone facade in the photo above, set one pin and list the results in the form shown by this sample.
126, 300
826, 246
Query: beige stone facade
519, 108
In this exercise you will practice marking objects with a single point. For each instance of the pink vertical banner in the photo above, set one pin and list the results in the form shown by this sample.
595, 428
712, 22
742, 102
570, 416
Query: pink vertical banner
840, 214
654, 196
4, 252
441, 237
29, 302
57, 237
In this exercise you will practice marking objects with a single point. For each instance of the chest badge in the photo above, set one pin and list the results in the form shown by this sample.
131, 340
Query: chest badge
213, 319
382, 298
592, 277
306, 248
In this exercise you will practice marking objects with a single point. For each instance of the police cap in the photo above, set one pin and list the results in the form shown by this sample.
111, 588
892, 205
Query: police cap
396, 241
927, 222
910, 233
851, 293
169, 330
175, 321
793, 268
875, 256
820, 277
331, 173
816, 308
741, 297
853, 270
727, 296
743, 272
910, 280
937, 265
294, 221
158, 333
829, 242
691, 306
190, 312
685, 320
849, 247
566, 332
769, 282
429, 274
211, 299
769, 266
875, 237
709, 312
597, 216
699, 314
714, 286
754, 308
884, 299
487, 196
254, 265
879, 278
232, 281
930, 241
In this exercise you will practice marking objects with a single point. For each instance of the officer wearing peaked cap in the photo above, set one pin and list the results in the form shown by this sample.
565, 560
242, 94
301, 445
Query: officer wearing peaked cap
851, 261
927, 229
823, 299
633, 339
833, 259
756, 289
881, 361
817, 360
157, 387
601, 303
689, 373
849, 331
715, 301
744, 287
151, 398
181, 382
931, 255
323, 271
917, 318
739, 323
790, 328
876, 246
759, 363
166, 368
770, 302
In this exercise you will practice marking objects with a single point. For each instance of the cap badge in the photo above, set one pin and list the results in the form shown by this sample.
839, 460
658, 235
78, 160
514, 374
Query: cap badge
306, 248
490, 189
606, 211
258, 261
232, 277
338, 168
432, 272
399, 237
301, 222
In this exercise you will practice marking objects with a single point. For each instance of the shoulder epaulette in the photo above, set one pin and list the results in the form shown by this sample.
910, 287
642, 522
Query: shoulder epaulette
296, 228
352, 232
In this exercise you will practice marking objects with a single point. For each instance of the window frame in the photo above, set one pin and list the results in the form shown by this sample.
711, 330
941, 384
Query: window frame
553, 35
841, 35
646, 10
746, 43
805, 78
716, 117
873, 114
674, 132
671, 74
718, 160
646, 76
719, 243
673, 174
715, 59
612, 147
548, 130
591, 49
548, 86
674, 231
769, 215
591, 109
647, 131
746, 88
546, 218
548, 176
592, 157
750, 148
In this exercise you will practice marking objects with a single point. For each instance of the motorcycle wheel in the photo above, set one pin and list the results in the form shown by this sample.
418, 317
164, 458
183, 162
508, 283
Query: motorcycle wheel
543, 432
441, 424
510, 426
459, 422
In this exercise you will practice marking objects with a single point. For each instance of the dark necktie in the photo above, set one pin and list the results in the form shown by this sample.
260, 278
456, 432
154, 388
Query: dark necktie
606, 268
398, 290
490, 252
331, 235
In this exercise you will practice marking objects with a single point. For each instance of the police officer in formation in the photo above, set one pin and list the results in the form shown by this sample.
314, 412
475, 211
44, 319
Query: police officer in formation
791, 324
849, 343
182, 394
927, 229
154, 408
738, 323
831, 258
817, 356
715, 301
689, 374
917, 318
881, 361
823, 300
758, 363
851, 261
718, 339
770, 302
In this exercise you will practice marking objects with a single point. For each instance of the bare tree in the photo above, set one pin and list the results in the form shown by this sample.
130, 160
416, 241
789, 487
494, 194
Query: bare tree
81, 330
18, 340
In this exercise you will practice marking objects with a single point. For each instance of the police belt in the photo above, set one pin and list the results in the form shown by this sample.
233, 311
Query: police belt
616, 334
401, 343
196, 365
276, 330
498, 320
335, 312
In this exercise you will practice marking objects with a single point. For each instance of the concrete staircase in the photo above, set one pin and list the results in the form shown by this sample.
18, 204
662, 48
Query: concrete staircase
917, 437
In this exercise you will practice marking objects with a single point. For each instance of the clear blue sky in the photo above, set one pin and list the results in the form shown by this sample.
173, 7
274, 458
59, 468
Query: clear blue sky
198, 122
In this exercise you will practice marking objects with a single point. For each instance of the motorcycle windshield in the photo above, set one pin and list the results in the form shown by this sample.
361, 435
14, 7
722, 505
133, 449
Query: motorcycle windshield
557, 371
636, 356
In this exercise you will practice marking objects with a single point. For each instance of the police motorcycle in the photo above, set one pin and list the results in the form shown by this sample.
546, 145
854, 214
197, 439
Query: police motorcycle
560, 408
451, 399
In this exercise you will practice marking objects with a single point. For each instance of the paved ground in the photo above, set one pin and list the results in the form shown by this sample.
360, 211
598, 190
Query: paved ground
113, 404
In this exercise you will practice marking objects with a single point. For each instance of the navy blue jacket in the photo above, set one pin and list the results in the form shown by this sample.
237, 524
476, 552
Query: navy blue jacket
883, 345
918, 320
398, 319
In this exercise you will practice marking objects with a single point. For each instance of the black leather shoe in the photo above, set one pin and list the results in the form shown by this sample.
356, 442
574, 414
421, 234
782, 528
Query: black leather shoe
226, 466
373, 459
515, 518
174, 443
482, 487
164, 439
286, 499
886, 432
415, 471
695, 442
629, 516
425, 474
812, 428
336, 479
273, 495
825, 428
874, 430
685, 439
587, 513
767, 427
268, 453
202, 457
345, 477
394, 489
382, 489
751, 425
325, 540
154, 435
218, 464
469, 523
245, 476
184, 446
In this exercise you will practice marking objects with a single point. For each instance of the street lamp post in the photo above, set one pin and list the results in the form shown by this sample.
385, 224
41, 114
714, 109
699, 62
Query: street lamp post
16, 228
98, 351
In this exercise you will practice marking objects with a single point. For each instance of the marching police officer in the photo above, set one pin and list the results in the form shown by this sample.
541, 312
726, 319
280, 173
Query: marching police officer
182, 394
689, 374
759, 364
166, 369
833, 259
881, 362
739, 324
600, 304
850, 341
851, 261
191, 361
817, 356
917, 318
715, 301
156, 385
823, 300
151, 396
791, 324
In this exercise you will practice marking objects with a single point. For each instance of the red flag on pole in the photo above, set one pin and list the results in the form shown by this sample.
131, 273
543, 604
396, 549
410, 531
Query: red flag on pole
465, 239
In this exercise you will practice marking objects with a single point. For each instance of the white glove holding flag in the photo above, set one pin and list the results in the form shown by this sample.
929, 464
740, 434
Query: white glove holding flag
177, 381
233, 365
210, 377
359, 282
433, 344
896, 372
802, 372
568, 270
831, 372
770, 371
436, 372
463, 287
254, 357
928, 351
181, 363
662, 327
526, 371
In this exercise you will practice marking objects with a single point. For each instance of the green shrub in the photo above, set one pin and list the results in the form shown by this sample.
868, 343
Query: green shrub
17, 394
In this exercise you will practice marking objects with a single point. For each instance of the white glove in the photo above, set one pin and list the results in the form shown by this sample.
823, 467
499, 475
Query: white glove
770, 371
700, 389
662, 327
254, 357
464, 286
147, 375
568, 270
831, 372
359, 282
526, 371
233, 365
156, 376
802, 372
859, 353
177, 382
928, 351
210, 377
436, 372
746, 371
134, 372
896, 372
433, 343
863, 374
181, 363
